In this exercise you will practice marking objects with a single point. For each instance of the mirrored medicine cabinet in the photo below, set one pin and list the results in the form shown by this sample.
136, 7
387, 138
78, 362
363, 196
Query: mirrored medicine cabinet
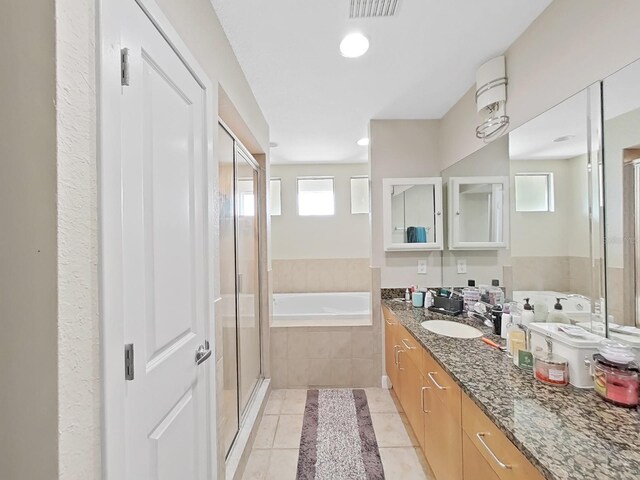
478, 213
412, 214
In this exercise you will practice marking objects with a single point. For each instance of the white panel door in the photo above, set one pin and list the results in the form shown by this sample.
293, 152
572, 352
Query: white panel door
164, 258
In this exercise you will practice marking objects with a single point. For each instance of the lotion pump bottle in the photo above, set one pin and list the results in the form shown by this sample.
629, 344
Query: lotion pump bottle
527, 315
558, 316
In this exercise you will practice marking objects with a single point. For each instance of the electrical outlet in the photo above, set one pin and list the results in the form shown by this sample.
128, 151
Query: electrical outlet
422, 267
461, 264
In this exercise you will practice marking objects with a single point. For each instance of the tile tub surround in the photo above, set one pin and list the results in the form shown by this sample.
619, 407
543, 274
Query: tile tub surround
307, 357
567, 433
321, 275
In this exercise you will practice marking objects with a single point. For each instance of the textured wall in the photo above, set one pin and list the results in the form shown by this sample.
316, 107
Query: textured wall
28, 346
78, 320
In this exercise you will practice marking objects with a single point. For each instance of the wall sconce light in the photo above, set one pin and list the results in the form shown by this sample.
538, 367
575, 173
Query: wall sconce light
491, 98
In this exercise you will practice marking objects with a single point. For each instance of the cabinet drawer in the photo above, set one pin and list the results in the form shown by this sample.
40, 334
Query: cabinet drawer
443, 385
411, 346
503, 456
474, 466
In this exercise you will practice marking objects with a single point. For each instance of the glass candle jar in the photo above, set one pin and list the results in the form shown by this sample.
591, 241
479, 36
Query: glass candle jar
616, 382
551, 369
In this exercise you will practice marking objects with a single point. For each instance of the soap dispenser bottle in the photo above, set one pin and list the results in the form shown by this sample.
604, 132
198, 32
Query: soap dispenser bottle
558, 316
527, 315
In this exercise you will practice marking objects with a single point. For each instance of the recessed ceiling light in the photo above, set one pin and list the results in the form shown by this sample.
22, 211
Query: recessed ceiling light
363, 142
354, 45
564, 138
273, 144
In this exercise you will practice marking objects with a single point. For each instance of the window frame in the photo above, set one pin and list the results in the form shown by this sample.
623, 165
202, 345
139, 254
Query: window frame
316, 177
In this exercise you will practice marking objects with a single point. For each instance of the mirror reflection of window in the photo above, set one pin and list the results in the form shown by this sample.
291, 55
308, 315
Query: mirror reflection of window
275, 196
359, 195
247, 200
316, 196
534, 192
412, 213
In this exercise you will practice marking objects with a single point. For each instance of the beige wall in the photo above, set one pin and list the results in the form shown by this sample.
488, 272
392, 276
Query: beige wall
398, 149
343, 235
28, 291
571, 45
322, 275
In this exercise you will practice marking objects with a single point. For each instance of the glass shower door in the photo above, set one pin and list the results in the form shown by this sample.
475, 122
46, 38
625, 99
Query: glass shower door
227, 310
249, 348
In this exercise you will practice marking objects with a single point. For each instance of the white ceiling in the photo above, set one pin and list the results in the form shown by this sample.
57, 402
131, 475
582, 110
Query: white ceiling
535, 139
420, 62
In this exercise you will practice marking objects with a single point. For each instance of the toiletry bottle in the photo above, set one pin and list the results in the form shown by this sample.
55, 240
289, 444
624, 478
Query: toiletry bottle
496, 295
513, 327
557, 315
428, 299
470, 296
407, 295
527, 315
506, 320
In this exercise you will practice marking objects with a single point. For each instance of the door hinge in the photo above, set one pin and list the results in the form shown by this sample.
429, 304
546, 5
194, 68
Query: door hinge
124, 66
128, 361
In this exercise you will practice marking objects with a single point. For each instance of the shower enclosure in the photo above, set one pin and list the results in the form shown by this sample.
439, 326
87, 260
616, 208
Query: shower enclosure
239, 281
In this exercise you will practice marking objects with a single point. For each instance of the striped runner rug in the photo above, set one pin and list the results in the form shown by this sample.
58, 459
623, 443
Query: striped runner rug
338, 441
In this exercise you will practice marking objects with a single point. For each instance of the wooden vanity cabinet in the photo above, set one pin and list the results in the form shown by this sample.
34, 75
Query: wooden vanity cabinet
458, 440
497, 450
442, 427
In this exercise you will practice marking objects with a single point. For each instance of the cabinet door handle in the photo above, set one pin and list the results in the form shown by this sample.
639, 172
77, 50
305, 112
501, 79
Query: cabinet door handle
409, 347
435, 382
481, 436
388, 322
424, 410
395, 354
398, 357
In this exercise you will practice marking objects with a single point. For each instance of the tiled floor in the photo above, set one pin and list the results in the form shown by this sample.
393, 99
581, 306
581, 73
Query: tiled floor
275, 451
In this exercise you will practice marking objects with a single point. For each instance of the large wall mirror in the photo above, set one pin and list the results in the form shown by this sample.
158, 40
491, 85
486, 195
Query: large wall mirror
556, 246
621, 95
557, 237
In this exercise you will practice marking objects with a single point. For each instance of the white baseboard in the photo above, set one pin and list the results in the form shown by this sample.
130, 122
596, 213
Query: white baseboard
386, 382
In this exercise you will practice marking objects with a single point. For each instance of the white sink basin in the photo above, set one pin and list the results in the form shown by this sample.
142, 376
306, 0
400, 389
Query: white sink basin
451, 329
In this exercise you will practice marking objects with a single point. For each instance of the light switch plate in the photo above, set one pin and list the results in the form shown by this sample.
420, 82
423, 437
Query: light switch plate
422, 267
461, 264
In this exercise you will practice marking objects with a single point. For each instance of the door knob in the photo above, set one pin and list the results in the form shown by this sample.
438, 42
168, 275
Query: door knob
203, 353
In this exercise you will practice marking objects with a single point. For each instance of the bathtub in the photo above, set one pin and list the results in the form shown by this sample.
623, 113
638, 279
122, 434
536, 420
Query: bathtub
321, 309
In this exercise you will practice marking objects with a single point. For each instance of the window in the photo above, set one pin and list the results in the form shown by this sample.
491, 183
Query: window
247, 207
534, 192
275, 198
359, 195
315, 196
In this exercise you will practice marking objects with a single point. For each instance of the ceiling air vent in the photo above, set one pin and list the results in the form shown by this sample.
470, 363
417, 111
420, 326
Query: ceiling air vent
373, 8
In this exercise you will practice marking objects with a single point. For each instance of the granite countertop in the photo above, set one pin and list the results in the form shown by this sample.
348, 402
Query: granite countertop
567, 433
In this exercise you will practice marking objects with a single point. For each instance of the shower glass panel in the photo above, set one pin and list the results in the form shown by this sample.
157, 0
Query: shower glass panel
227, 311
249, 354
238, 314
